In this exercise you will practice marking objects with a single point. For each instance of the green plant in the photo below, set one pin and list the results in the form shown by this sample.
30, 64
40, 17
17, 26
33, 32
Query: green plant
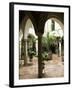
31, 53
49, 43
32, 42
47, 55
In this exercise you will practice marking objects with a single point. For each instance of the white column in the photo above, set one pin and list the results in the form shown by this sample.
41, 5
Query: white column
20, 39
25, 51
26, 47
36, 47
20, 49
60, 48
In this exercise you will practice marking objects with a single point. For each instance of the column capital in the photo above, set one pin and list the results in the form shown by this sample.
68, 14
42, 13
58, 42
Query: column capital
40, 30
39, 34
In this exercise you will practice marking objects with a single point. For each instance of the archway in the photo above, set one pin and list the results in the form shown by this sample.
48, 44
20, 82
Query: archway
38, 20
54, 28
28, 47
27, 29
51, 45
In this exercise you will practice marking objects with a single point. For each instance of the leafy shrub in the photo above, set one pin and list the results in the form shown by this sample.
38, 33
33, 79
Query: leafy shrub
49, 43
31, 53
47, 56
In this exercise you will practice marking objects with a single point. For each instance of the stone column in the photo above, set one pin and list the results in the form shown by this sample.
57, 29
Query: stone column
36, 47
20, 50
25, 51
40, 60
60, 48
39, 30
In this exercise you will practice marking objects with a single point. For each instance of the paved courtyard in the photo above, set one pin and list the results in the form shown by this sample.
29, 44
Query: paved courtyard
53, 68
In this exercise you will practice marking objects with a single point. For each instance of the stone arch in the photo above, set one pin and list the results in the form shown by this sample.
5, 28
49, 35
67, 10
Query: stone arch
59, 18
27, 26
24, 21
59, 22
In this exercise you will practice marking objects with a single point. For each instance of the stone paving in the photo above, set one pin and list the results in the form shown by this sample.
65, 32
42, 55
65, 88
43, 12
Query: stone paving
53, 68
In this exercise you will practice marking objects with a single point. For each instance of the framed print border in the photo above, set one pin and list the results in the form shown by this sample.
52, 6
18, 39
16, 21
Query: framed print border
13, 43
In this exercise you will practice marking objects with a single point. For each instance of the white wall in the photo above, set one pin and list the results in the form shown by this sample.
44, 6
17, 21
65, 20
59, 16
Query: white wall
4, 44
48, 28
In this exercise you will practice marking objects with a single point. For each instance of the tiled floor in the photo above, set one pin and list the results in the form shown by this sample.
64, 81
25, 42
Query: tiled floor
53, 68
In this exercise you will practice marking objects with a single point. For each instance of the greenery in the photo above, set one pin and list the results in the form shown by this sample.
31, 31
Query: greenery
31, 54
31, 47
47, 56
49, 43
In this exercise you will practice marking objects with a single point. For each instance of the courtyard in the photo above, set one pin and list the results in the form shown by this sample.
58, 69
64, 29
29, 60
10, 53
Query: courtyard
52, 68
41, 45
